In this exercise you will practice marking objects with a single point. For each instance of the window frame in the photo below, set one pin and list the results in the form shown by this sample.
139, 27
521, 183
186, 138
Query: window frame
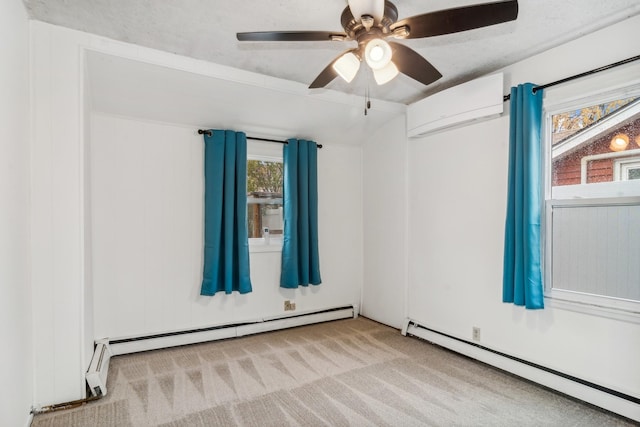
268, 152
622, 167
620, 308
620, 84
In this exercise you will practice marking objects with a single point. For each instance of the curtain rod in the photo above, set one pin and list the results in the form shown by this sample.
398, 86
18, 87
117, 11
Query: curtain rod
577, 76
208, 133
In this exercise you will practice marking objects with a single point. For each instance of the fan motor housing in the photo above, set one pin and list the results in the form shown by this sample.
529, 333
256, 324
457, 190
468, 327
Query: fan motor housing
353, 27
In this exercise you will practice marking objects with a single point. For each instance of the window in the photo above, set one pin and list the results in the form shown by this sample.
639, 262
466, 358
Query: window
589, 144
264, 196
592, 212
627, 169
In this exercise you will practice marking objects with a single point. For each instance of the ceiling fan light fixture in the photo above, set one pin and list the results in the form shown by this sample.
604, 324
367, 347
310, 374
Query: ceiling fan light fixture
385, 74
370, 22
347, 66
374, 8
401, 32
377, 53
367, 21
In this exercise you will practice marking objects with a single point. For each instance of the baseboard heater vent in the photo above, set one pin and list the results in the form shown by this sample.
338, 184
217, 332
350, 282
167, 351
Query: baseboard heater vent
193, 336
609, 399
99, 368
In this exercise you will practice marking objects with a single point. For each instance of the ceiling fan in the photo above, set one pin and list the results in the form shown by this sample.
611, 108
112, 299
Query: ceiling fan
370, 22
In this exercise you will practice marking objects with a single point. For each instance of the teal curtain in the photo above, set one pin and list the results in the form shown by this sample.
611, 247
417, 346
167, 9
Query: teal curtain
226, 244
522, 279
300, 257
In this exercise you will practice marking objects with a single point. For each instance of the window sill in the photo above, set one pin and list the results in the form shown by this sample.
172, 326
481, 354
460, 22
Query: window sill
258, 246
626, 311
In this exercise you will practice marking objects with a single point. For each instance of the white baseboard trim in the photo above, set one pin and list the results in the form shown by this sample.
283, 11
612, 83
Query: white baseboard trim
556, 382
290, 322
138, 344
178, 338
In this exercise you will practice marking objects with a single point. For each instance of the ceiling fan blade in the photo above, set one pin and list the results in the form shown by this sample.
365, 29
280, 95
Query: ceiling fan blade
328, 74
412, 64
290, 36
459, 19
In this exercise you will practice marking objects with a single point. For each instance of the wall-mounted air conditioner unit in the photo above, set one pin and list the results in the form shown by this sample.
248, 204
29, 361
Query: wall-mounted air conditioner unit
474, 100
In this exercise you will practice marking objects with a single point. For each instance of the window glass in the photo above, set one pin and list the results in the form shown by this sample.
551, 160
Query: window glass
264, 198
627, 169
633, 173
596, 143
592, 232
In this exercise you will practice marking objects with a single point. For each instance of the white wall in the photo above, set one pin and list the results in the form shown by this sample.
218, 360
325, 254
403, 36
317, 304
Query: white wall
147, 204
457, 187
453, 263
70, 263
385, 201
57, 218
16, 379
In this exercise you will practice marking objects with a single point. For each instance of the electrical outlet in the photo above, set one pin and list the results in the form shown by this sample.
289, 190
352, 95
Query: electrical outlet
475, 333
289, 305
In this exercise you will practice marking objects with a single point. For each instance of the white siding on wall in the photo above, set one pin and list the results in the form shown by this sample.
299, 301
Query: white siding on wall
146, 184
61, 223
385, 198
457, 186
147, 225
16, 385
57, 217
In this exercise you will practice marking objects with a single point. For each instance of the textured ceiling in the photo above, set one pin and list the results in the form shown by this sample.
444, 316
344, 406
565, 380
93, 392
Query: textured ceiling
205, 29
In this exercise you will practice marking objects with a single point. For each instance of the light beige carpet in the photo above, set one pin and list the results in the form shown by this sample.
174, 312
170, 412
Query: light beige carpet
348, 372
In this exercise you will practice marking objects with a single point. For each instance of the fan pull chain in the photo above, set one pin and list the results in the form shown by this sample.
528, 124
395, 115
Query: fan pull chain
367, 101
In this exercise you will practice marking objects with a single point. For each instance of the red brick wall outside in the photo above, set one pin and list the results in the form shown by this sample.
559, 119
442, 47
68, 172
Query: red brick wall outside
566, 170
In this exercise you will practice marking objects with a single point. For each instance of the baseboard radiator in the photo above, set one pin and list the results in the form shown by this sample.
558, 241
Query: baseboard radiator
611, 400
99, 369
96, 375
184, 337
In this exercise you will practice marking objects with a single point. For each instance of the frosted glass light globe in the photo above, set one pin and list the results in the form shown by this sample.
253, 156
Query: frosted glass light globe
377, 53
